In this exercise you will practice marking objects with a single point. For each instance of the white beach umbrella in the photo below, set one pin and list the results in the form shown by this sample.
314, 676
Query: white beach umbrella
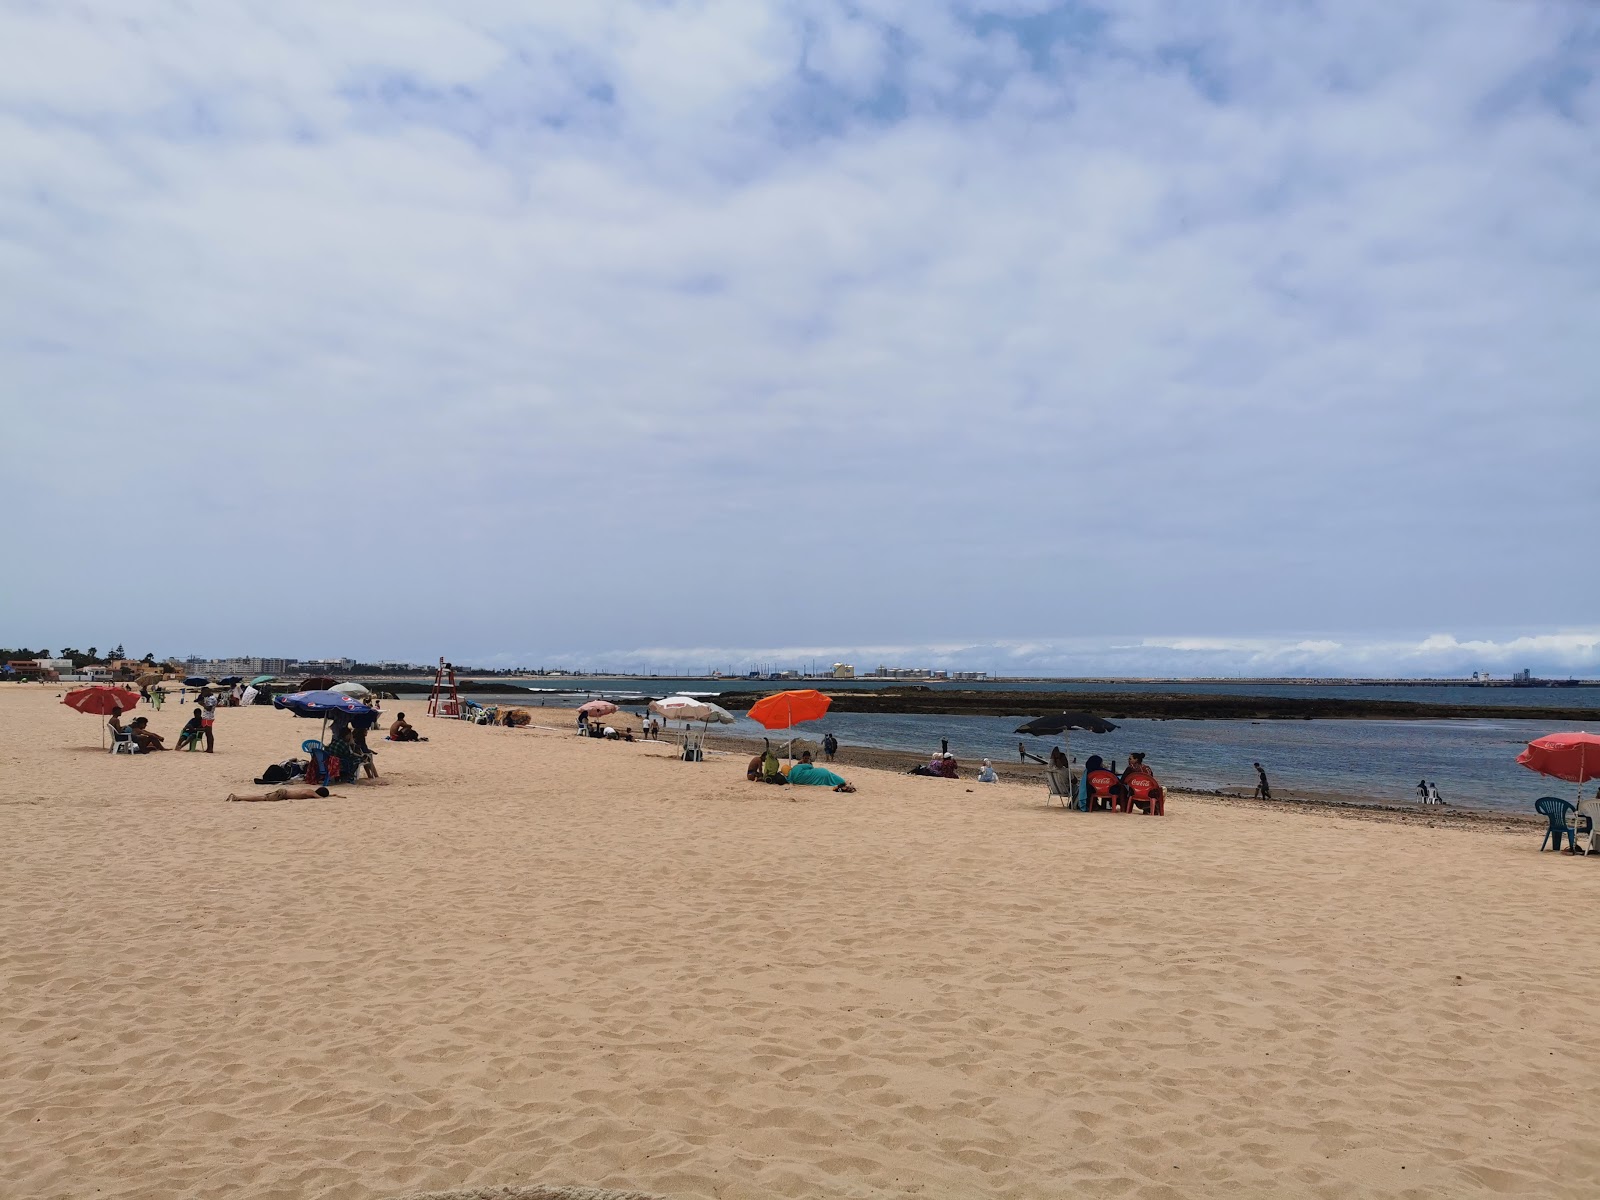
351, 689
688, 708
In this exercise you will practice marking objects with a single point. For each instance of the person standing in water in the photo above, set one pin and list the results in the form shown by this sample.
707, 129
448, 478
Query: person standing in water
1263, 788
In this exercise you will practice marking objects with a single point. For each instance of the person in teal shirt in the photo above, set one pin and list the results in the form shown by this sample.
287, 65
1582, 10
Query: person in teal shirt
805, 772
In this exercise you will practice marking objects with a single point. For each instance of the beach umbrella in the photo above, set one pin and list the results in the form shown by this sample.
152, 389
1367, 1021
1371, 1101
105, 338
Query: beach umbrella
688, 708
325, 704
1574, 757
317, 683
148, 679
351, 689
1064, 723
785, 710
230, 680
598, 708
196, 681
99, 701
262, 679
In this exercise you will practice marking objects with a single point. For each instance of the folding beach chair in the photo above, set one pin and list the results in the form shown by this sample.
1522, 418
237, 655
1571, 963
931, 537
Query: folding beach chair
1059, 780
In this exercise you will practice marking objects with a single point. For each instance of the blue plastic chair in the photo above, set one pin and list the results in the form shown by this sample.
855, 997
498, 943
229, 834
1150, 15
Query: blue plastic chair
1555, 810
322, 759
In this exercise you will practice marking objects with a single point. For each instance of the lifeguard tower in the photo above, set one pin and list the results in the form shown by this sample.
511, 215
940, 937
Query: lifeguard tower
445, 699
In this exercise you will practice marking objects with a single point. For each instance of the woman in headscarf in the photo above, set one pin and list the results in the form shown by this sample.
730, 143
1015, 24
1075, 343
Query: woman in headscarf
987, 775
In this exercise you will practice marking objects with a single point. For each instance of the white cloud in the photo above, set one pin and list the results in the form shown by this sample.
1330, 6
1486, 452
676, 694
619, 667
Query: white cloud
1206, 317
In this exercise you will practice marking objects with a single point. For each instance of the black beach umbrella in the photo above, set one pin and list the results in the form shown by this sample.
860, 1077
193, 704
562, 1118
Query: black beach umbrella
1061, 723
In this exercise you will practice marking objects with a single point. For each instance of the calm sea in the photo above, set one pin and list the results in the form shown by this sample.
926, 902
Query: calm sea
1472, 761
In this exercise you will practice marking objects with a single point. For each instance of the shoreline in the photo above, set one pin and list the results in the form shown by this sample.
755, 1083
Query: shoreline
899, 762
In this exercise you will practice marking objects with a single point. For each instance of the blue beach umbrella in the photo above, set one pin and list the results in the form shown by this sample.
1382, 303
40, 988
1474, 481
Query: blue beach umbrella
230, 680
196, 681
326, 704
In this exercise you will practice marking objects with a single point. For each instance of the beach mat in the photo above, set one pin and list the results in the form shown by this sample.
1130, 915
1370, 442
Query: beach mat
532, 1193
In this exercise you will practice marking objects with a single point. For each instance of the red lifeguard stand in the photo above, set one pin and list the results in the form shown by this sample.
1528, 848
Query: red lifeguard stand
444, 700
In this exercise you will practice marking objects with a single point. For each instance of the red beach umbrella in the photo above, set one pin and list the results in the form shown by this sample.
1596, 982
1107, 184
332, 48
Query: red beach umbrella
100, 700
784, 710
1574, 757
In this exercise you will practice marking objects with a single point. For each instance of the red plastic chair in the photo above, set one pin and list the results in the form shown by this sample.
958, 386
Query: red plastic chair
1103, 790
1146, 791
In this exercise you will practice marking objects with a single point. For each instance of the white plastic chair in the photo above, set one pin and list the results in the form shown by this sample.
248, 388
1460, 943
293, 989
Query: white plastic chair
123, 743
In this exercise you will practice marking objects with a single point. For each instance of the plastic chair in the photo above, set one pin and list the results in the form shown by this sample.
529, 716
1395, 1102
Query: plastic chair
1144, 790
1555, 810
1104, 790
1059, 780
122, 741
325, 764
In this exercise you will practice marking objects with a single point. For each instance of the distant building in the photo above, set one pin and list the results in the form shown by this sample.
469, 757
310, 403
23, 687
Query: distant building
1522, 676
969, 676
844, 670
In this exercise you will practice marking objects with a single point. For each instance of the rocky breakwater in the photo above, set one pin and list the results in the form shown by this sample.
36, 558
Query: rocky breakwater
1161, 706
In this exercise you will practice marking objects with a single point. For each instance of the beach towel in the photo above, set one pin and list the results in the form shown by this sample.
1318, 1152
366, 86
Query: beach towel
809, 774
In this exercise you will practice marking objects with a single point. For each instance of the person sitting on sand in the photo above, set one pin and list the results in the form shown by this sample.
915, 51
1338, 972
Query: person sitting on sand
752, 771
807, 773
948, 767
302, 792
402, 731
987, 775
148, 741
190, 734
771, 768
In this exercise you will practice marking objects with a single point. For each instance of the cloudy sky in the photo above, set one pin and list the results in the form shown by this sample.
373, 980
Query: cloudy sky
1135, 336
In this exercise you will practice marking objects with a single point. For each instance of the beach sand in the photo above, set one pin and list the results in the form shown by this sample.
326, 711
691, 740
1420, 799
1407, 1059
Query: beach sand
534, 958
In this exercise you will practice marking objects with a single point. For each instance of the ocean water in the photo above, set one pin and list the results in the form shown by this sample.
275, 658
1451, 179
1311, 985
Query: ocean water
1429, 693
1473, 761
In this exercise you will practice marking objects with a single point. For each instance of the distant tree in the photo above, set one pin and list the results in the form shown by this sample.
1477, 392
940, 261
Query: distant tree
149, 659
119, 652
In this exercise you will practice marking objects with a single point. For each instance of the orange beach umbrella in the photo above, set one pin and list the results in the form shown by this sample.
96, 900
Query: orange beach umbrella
785, 710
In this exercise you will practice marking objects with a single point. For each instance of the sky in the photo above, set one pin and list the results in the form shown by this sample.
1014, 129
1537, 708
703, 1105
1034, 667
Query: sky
1146, 337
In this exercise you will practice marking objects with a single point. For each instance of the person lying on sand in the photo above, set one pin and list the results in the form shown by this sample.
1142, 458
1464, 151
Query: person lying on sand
806, 772
302, 792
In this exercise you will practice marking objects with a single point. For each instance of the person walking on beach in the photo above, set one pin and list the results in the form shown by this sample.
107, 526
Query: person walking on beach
1263, 788
830, 746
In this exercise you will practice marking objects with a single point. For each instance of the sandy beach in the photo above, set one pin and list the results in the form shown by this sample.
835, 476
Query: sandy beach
528, 958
